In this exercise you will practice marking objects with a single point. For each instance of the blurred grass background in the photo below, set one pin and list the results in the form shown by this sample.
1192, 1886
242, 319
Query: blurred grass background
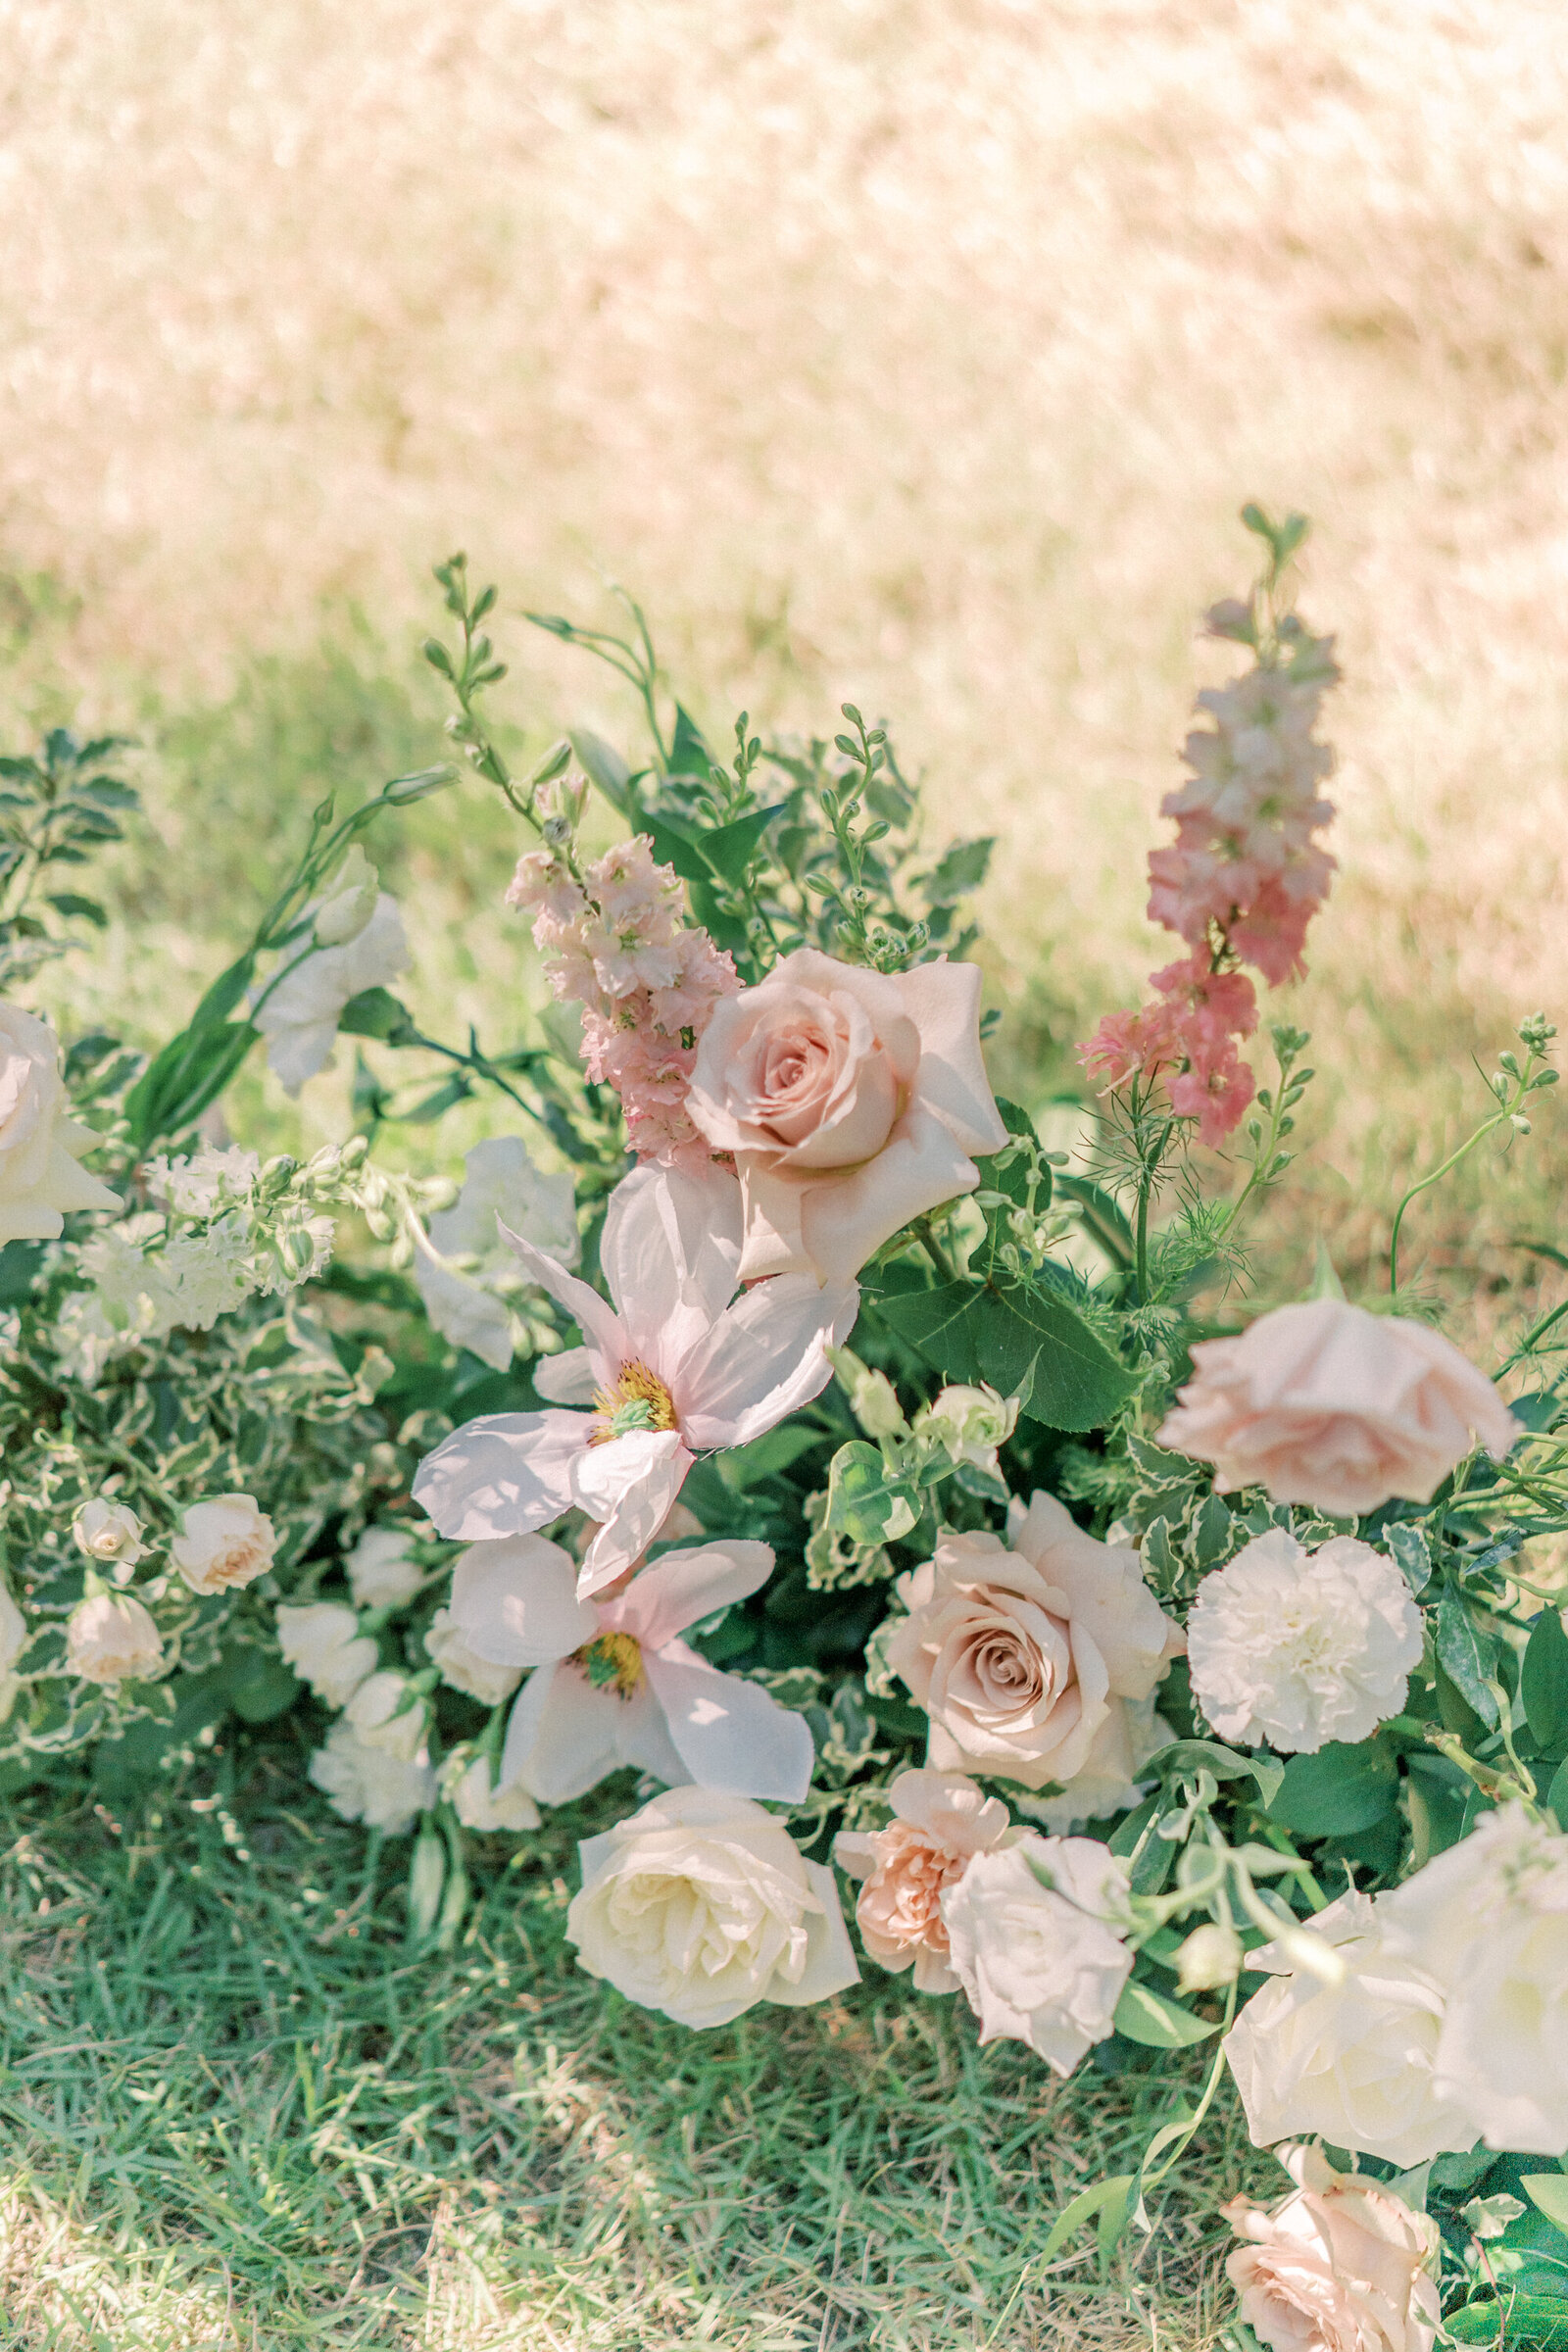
914, 351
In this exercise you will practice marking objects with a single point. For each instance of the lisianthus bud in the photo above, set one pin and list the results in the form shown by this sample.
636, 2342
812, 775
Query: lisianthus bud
1210, 1957
350, 901
968, 1423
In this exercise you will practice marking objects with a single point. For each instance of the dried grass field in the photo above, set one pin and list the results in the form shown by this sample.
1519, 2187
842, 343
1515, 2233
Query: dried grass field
916, 351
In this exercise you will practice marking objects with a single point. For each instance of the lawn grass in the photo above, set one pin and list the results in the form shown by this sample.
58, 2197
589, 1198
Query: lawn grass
237, 2110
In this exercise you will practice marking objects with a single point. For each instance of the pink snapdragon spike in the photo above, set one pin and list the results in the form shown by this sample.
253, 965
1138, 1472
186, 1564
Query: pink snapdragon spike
674, 1365
648, 982
612, 1682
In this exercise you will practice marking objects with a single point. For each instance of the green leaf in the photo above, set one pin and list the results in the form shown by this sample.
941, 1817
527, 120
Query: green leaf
1078, 1383
1543, 1682
866, 1501
689, 753
1147, 2016
226, 993
674, 847
70, 903
1336, 1792
1105, 2197
764, 1456
1556, 1797
1100, 1215
1467, 1652
606, 769
729, 849
1549, 2190
958, 871
373, 1013
1528, 2323
1189, 1756
451, 1091
1412, 1553
263, 1688
191, 1071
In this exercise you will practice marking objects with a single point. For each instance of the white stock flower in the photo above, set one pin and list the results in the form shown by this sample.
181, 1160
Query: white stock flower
110, 1531
112, 1639
382, 1570
469, 1789
321, 1642
225, 1543
348, 901
299, 1017
387, 1714
1488, 1921
448, 1647
502, 1183
40, 1143
385, 1791
1291, 1648
1033, 1928
614, 1684
674, 1368
205, 1182
1353, 2061
702, 1906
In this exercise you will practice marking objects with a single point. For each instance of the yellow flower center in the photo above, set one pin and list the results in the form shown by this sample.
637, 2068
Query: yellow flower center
639, 1399
611, 1662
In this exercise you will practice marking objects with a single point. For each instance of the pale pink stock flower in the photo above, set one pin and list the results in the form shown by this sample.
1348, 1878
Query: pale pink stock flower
1326, 1404
671, 1369
1341, 2265
940, 1820
851, 1099
1021, 1657
613, 1683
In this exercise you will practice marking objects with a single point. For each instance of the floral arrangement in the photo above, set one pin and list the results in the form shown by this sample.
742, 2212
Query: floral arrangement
920, 1517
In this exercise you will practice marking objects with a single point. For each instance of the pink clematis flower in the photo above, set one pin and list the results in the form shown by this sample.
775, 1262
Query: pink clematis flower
676, 1366
613, 1683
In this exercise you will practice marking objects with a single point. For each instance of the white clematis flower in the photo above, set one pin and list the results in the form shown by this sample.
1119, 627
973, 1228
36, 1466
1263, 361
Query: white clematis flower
299, 1017
672, 1368
614, 1684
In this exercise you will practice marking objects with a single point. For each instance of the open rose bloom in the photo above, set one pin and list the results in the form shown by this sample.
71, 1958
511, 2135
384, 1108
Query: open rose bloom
676, 1366
851, 1102
1342, 2265
940, 1820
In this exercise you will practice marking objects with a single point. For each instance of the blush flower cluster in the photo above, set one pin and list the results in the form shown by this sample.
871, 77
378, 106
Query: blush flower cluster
648, 981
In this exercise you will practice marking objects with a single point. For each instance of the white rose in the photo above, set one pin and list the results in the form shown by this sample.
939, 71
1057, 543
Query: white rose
1291, 1648
321, 1642
1352, 2061
299, 1016
112, 1639
40, 1143
1033, 1939
382, 1570
227, 1542
702, 1906
478, 1803
462, 1665
1489, 1921
372, 1785
387, 1714
109, 1530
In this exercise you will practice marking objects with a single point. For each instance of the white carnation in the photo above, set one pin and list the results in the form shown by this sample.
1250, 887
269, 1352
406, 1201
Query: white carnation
382, 1570
1033, 1928
299, 1016
1294, 1648
321, 1642
385, 1791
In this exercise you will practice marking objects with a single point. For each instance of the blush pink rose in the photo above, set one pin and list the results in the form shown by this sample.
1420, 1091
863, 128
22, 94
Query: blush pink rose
851, 1099
940, 1822
1342, 2265
1326, 1404
1021, 1657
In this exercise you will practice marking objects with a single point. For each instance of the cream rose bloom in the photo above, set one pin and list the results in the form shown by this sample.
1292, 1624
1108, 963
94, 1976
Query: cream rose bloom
227, 1542
40, 1143
462, 1665
1326, 1404
110, 1531
112, 1639
373, 1785
1033, 1934
1290, 1648
940, 1822
702, 1906
851, 1099
321, 1642
1020, 1656
1341, 2265
382, 1571
1354, 2061
1488, 1921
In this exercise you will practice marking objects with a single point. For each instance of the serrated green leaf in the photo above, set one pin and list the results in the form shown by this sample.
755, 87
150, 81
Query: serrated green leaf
1148, 2017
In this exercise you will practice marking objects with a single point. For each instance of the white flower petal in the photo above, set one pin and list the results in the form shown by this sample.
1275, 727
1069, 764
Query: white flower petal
503, 1474
564, 1736
730, 1735
517, 1601
681, 1587
629, 1487
594, 1315
570, 1378
830, 1963
670, 1251
763, 1360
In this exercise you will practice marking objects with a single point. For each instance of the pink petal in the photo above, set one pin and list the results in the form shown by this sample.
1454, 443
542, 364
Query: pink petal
943, 999
570, 1378
503, 1473
730, 1735
763, 1360
629, 1487
670, 1251
517, 1601
681, 1587
595, 1316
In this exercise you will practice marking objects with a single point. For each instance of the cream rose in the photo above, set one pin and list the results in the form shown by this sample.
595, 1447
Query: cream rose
321, 1642
1341, 2265
1353, 2061
1326, 1404
227, 1542
851, 1099
702, 1906
385, 1791
40, 1143
1033, 1934
112, 1639
1488, 1921
461, 1664
1018, 1655
110, 1531
940, 1822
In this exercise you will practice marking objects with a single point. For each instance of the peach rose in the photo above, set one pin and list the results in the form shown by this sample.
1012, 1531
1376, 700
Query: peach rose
1341, 2265
850, 1100
1326, 1404
941, 1822
225, 1543
1019, 1656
